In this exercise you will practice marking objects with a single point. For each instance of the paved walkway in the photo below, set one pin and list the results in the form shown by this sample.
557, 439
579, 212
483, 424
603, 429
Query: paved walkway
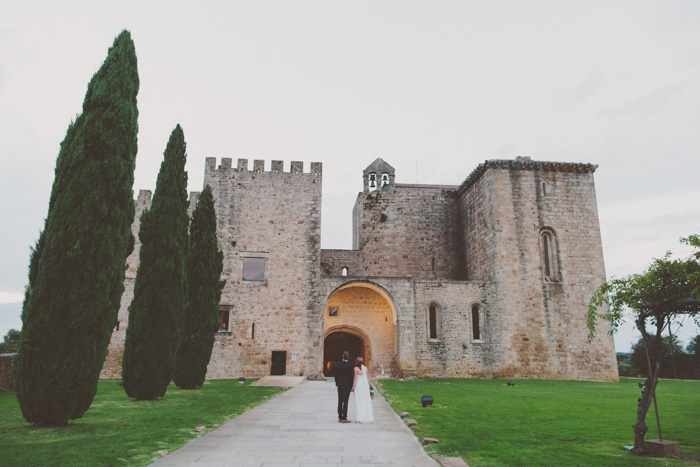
300, 428
280, 381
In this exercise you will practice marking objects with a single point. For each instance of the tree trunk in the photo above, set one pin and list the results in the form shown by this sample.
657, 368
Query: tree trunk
654, 360
640, 427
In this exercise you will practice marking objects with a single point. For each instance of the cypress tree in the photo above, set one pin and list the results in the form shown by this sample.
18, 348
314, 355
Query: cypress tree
205, 262
76, 270
156, 313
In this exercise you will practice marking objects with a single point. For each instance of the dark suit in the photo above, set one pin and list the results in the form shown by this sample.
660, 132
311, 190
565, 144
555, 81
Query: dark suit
344, 377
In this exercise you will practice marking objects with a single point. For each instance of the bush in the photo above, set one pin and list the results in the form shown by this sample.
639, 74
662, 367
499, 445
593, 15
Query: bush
676, 364
10, 342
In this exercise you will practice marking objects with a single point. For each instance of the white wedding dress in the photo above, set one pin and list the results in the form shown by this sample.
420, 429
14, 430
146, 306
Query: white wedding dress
363, 401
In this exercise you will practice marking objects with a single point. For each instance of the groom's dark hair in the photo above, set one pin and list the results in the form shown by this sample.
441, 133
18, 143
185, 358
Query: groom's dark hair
346, 355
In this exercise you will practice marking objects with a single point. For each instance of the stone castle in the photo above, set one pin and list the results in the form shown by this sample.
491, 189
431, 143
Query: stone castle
488, 279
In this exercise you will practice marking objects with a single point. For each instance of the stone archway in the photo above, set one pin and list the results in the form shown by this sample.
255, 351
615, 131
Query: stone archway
340, 339
362, 317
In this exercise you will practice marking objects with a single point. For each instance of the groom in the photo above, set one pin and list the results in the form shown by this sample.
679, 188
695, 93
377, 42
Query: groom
344, 375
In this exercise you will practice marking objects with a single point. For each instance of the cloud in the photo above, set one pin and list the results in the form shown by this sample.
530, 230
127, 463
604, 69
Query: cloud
10, 297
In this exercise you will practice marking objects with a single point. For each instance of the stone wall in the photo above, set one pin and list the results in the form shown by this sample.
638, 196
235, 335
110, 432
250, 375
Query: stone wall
542, 319
274, 215
333, 262
112, 368
7, 376
455, 353
409, 232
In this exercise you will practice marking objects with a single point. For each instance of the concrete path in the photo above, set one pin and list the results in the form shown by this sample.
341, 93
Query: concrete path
300, 428
281, 381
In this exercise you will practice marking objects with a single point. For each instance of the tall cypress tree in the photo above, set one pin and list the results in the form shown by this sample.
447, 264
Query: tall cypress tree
205, 262
156, 313
76, 271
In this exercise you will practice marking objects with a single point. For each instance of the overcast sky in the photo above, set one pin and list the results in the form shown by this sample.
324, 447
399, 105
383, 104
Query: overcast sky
434, 88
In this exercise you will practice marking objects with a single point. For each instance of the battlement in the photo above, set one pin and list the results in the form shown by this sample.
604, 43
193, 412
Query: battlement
277, 167
524, 163
144, 197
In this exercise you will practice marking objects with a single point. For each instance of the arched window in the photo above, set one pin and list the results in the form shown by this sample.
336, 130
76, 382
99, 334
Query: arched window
434, 322
385, 179
550, 260
477, 323
372, 181
344, 273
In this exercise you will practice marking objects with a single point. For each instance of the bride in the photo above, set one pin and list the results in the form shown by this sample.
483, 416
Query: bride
363, 400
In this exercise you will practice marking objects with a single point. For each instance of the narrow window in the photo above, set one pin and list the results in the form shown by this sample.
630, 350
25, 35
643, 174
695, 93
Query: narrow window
547, 245
433, 264
254, 269
476, 325
544, 189
549, 256
252, 331
345, 272
433, 322
224, 316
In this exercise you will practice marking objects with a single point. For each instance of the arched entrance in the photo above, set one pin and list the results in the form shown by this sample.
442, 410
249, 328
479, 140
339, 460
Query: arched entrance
338, 341
360, 317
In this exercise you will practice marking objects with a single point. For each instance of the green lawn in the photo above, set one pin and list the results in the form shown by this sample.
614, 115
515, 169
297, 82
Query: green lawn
546, 423
117, 430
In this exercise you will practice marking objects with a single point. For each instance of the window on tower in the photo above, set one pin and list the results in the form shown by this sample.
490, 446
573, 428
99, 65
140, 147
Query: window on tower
254, 269
224, 319
550, 261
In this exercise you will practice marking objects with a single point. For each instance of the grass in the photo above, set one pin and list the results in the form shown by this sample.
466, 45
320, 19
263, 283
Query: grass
546, 423
117, 430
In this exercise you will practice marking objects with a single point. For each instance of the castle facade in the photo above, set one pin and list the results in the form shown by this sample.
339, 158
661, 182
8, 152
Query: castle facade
490, 278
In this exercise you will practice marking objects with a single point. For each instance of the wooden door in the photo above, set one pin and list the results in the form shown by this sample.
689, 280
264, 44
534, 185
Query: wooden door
279, 363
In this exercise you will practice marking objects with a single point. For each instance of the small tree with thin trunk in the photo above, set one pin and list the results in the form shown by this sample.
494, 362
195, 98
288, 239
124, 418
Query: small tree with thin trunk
204, 284
664, 291
158, 307
76, 270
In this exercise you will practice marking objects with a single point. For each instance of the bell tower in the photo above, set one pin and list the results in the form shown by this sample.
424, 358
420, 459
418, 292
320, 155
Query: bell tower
378, 175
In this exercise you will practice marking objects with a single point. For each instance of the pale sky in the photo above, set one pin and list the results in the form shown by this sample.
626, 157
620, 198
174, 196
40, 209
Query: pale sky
434, 88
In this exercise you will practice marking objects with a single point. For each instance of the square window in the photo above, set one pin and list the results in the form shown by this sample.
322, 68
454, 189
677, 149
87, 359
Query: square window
254, 269
333, 311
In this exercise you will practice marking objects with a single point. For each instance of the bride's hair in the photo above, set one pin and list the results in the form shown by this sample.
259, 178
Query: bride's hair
359, 361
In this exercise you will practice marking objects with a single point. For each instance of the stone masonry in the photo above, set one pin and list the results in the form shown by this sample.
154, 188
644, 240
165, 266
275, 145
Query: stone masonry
7, 377
487, 279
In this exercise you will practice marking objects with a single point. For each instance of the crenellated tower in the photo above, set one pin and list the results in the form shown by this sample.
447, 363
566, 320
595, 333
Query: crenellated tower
269, 228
